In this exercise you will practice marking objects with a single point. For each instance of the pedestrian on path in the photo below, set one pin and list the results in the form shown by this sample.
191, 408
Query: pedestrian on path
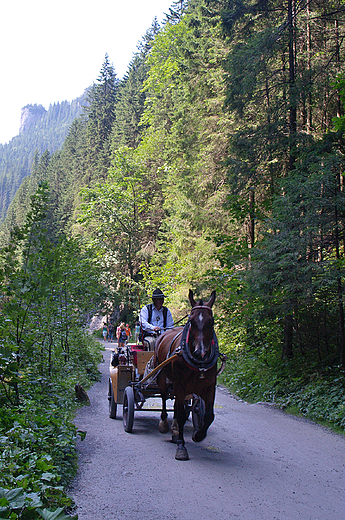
105, 332
123, 336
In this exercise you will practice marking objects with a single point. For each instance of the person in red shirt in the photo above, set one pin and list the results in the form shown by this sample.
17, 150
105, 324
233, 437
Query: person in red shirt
128, 331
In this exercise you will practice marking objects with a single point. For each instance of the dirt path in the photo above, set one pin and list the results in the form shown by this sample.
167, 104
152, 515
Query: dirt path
255, 464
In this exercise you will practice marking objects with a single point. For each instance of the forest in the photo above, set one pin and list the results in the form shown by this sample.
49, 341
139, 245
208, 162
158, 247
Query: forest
216, 163
47, 131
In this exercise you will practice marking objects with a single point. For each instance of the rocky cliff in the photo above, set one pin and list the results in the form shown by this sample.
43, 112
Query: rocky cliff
30, 116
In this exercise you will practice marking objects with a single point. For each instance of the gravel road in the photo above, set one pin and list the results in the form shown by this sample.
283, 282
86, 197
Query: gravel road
256, 463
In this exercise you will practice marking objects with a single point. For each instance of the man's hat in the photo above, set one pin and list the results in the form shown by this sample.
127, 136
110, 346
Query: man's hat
157, 293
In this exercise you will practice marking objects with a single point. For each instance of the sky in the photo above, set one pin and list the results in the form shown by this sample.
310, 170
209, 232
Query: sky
51, 51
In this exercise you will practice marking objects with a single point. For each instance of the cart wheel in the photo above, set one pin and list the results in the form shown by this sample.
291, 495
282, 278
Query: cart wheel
112, 404
128, 409
198, 413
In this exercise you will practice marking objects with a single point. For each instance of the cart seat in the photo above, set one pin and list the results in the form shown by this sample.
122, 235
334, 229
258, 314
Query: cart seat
135, 349
143, 357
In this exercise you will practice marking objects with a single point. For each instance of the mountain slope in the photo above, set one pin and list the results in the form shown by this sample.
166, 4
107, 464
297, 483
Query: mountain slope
40, 130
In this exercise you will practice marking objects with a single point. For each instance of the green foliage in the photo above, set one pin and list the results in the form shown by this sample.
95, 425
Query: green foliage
113, 211
184, 114
100, 113
321, 401
48, 133
310, 390
48, 286
49, 294
131, 97
217, 162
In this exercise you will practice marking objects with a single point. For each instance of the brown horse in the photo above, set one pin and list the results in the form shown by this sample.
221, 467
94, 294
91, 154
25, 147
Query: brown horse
192, 372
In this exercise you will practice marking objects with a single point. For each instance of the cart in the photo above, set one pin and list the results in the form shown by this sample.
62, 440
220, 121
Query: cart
130, 387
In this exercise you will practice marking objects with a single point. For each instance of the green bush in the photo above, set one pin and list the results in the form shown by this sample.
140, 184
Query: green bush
38, 438
295, 385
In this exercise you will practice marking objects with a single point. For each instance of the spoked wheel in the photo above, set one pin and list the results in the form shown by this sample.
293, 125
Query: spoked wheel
128, 409
198, 412
112, 404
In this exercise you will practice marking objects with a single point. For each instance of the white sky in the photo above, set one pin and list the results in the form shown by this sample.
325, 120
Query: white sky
52, 50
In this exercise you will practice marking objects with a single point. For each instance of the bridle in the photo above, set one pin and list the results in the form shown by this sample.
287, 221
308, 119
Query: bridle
201, 365
183, 350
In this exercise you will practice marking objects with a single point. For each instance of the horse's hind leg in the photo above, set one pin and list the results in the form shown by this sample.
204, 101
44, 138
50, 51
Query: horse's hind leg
174, 427
163, 425
174, 431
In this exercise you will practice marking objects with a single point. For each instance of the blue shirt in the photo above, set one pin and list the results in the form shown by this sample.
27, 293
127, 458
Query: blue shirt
157, 319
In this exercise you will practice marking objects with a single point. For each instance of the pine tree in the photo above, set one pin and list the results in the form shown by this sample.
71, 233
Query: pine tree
184, 117
176, 11
131, 98
100, 113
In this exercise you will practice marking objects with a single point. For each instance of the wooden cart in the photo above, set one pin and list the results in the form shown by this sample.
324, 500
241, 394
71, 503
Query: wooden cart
129, 387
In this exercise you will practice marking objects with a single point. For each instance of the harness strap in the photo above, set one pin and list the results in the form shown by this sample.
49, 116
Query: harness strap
201, 307
171, 344
224, 358
154, 373
193, 363
182, 349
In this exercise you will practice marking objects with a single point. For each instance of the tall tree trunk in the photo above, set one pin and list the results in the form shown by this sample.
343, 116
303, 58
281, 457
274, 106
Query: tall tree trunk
337, 59
339, 285
341, 324
292, 87
309, 98
251, 218
288, 336
288, 324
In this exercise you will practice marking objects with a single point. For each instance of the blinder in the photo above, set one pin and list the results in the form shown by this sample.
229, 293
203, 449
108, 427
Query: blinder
198, 364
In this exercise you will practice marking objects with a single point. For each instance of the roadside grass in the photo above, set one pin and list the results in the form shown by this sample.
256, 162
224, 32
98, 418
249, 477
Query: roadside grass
293, 410
295, 386
38, 441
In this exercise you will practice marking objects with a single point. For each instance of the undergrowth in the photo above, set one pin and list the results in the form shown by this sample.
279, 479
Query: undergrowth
314, 391
38, 442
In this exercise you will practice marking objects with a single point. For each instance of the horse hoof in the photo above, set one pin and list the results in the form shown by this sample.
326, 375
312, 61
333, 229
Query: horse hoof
163, 426
174, 438
198, 436
181, 453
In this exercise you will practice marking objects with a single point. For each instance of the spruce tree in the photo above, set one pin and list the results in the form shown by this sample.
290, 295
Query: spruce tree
100, 113
131, 98
176, 11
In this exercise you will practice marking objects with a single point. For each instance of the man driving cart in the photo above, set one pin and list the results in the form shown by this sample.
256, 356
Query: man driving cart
155, 318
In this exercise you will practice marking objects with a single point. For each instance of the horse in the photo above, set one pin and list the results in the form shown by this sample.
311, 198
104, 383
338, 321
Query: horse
193, 371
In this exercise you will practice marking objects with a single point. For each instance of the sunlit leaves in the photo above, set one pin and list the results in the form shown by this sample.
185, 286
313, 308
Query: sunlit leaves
113, 212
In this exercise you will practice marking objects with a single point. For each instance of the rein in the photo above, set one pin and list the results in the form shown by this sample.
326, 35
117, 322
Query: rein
176, 322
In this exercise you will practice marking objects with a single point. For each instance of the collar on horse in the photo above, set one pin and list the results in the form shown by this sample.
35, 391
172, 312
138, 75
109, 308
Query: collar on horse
191, 362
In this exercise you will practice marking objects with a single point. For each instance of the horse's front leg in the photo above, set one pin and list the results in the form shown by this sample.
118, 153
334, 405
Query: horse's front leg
181, 450
208, 397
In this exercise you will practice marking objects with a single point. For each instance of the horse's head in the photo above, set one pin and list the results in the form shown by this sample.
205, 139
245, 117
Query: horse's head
201, 333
